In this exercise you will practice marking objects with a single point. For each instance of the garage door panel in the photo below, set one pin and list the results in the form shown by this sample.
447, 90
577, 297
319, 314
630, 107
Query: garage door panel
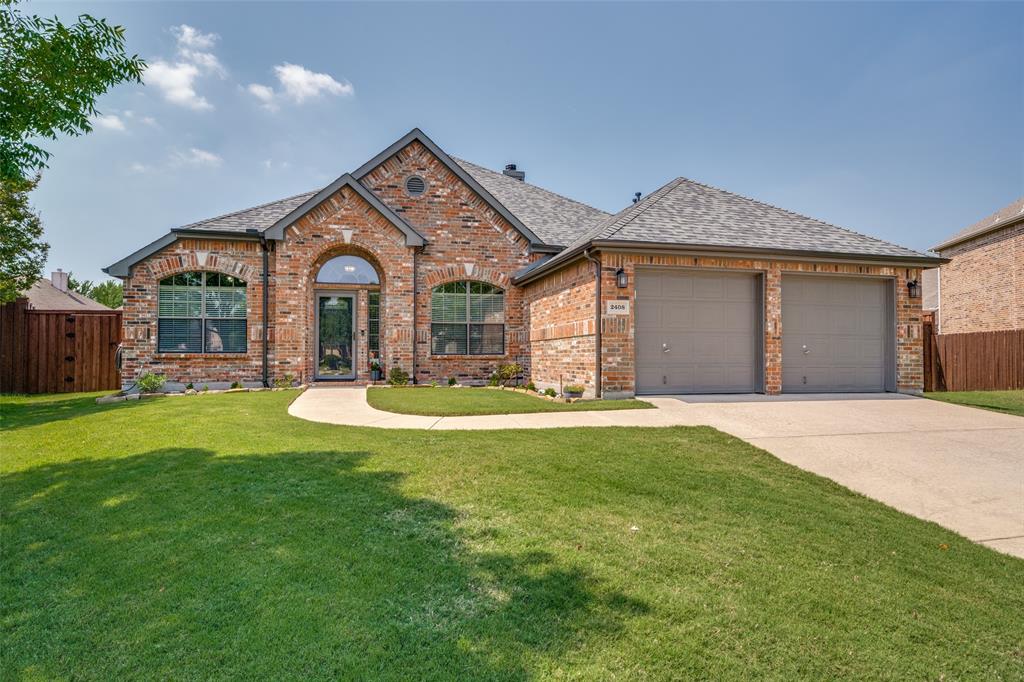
841, 322
709, 322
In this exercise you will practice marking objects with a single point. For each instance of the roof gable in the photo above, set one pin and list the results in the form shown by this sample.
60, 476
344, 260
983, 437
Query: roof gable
276, 231
417, 135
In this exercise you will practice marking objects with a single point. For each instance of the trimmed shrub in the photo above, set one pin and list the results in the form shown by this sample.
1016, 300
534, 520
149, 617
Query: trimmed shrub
452, 381
550, 392
398, 377
151, 383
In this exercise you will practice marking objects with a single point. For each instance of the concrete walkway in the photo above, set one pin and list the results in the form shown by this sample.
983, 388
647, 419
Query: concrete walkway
960, 467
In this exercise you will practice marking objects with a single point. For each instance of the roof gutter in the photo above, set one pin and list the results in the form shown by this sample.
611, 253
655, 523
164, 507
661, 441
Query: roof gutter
729, 252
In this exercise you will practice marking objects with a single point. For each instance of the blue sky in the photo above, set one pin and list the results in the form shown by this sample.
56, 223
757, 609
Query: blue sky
902, 121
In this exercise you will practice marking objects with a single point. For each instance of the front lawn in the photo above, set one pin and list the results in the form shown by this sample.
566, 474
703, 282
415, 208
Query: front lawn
449, 402
1010, 402
217, 537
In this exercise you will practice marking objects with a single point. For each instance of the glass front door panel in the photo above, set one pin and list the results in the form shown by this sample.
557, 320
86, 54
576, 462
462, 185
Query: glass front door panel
336, 352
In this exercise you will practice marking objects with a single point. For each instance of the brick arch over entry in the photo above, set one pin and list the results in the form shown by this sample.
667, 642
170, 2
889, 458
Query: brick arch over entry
460, 272
166, 266
364, 251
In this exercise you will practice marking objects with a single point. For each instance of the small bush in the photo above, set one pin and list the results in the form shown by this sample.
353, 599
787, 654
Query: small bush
206, 387
531, 387
236, 384
151, 383
189, 387
284, 382
433, 384
508, 373
573, 388
550, 392
398, 377
451, 381
494, 380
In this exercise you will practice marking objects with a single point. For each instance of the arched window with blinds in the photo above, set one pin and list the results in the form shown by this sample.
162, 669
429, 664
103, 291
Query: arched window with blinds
467, 318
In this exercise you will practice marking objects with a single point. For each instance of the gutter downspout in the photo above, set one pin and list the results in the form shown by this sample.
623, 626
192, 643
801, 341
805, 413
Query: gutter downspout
265, 247
597, 321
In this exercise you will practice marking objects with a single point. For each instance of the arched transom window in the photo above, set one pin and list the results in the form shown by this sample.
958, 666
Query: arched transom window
467, 318
201, 312
347, 270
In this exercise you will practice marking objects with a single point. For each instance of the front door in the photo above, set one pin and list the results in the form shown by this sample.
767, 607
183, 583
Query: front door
335, 325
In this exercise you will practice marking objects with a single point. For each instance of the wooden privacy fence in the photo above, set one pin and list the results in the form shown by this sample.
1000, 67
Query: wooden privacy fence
981, 361
57, 351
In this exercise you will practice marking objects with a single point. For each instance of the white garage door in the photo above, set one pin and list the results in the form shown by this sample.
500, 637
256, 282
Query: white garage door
696, 332
834, 334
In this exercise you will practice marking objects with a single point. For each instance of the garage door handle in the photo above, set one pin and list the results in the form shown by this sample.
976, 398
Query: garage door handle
807, 351
665, 348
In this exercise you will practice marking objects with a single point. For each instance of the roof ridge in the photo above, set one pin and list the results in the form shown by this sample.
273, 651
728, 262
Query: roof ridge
460, 160
793, 213
244, 210
640, 207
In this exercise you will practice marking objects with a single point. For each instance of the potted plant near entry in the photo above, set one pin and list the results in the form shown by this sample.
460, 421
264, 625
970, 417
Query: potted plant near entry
375, 369
572, 391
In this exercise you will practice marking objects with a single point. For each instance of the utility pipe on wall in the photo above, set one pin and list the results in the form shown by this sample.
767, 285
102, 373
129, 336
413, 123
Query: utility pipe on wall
597, 321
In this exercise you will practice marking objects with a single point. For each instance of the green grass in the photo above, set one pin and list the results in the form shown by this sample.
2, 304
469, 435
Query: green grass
1009, 402
448, 402
217, 537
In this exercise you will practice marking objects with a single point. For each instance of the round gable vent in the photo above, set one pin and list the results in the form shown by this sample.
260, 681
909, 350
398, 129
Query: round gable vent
415, 185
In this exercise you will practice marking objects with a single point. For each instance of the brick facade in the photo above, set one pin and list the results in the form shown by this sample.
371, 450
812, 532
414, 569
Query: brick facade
571, 288
549, 323
981, 289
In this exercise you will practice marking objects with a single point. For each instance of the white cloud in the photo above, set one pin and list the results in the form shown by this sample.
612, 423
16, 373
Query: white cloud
192, 38
297, 85
108, 122
177, 79
196, 157
265, 94
138, 168
300, 83
177, 83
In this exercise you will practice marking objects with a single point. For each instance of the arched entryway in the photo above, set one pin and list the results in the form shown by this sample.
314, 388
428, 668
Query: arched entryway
347, 305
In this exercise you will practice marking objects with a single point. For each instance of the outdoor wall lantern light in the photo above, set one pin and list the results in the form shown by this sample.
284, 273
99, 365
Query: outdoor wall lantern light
621, 280
914, 289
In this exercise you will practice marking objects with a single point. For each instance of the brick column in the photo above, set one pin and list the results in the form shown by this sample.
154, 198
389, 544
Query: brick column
773, 330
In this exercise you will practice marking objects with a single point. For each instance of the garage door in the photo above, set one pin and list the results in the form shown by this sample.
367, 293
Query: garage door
834, 334
696, 332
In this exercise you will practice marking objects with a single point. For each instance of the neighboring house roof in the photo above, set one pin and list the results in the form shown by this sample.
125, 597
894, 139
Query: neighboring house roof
1008, 215
684, 213
556, 219
44, 296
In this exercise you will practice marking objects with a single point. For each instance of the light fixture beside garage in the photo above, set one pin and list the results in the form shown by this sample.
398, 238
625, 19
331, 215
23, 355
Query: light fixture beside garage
914, 288
621, 279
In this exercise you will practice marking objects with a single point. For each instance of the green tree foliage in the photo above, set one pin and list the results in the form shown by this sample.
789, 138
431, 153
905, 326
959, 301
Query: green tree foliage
22, 250
110, 293
50, 76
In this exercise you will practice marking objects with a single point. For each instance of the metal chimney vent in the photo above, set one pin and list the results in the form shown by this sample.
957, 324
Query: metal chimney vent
512, 172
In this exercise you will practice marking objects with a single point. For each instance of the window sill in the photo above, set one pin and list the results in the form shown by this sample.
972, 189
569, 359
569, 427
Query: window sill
177, 356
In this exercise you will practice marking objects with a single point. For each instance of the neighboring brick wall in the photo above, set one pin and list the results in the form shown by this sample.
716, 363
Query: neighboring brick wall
618, 332
982, 288
238, 258
467, 240
560, 310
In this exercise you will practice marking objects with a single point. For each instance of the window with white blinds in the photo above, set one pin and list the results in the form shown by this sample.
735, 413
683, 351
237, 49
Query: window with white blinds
467, 318
201, 312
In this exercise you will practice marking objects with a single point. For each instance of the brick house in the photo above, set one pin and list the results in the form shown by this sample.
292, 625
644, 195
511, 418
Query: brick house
981, 288
445, 269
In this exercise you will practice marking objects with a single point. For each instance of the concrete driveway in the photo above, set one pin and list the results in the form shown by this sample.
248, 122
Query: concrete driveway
960, 467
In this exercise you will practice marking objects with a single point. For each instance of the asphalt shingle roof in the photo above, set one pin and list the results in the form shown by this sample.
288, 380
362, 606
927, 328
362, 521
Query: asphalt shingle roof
1006, 215
44, 296
555, 219
690, 213
261, 217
